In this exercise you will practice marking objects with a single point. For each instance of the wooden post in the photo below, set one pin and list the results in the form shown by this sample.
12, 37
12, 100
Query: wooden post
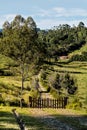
65, 101
57, 103
47, 102
19, 120
30, 101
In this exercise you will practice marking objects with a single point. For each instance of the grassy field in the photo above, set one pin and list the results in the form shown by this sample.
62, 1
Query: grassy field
10, 85
79, 71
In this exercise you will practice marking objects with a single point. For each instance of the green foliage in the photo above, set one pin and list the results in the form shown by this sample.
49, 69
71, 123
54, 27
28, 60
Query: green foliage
75, 106
79, 57
19, 42
55, 83
64, 81
62, 40
30, 49
75, 119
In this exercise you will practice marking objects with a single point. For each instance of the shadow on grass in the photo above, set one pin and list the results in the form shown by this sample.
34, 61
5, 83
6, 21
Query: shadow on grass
44, 122
76, 122
32, 123
7, 128
55, 122
6, 118
36, 123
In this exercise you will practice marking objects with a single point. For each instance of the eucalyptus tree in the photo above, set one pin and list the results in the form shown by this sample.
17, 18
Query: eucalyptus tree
20, 43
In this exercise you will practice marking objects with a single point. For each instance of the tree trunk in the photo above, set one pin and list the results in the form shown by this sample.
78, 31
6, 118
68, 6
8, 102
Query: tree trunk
22, 84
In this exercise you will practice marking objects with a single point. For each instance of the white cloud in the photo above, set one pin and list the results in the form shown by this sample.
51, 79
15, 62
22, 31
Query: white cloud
48, 24
61, 12
70, 12
43, 13
59, 15
46, 19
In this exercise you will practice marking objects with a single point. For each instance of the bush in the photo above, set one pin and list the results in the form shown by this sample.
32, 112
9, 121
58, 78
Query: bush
54, 92
1, 101
76, 57
1, 104
43, 75
14, 102
28, 88
79, 57
8, 73
63, 83
7, 103
75, 106
5, 73
48, 89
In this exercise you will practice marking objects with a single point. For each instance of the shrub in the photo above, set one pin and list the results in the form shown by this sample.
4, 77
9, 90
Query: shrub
7, 103
63, 82
75, 106
76, 57
43, 75
28, 88
79, 57
14, 102
1, 104
8, 73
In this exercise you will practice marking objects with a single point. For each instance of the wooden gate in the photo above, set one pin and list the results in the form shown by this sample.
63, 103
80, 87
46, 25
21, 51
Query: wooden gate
47, 103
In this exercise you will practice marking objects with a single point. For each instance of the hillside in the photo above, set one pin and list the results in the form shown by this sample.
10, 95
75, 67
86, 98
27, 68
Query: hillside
79, 51
10, 84
30, 59
61, 119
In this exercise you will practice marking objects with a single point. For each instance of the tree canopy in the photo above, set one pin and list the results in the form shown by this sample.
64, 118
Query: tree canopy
20, 43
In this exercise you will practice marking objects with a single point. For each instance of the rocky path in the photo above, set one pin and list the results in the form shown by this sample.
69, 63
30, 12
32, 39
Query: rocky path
44, 94
51, 121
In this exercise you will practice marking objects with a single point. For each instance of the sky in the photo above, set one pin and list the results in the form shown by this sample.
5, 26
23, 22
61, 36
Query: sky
46, 13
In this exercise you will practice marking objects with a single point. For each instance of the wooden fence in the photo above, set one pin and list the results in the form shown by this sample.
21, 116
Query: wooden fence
48, 103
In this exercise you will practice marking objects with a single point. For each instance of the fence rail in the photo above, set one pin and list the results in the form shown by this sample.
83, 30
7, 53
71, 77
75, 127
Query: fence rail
47, 103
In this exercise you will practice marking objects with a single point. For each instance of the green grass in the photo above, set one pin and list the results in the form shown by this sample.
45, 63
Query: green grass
8, 122
10, 87
35, 122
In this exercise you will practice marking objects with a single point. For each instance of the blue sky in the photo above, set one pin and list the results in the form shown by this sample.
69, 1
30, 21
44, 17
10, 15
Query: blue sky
46, 13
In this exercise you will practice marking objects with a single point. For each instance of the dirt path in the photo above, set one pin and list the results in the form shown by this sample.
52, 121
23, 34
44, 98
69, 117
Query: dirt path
44, 95
50, 120
53, 123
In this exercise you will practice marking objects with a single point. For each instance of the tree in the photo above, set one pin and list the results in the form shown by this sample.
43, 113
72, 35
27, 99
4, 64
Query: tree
57, 83
69, 84
81, 25
64, 82
19, 42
